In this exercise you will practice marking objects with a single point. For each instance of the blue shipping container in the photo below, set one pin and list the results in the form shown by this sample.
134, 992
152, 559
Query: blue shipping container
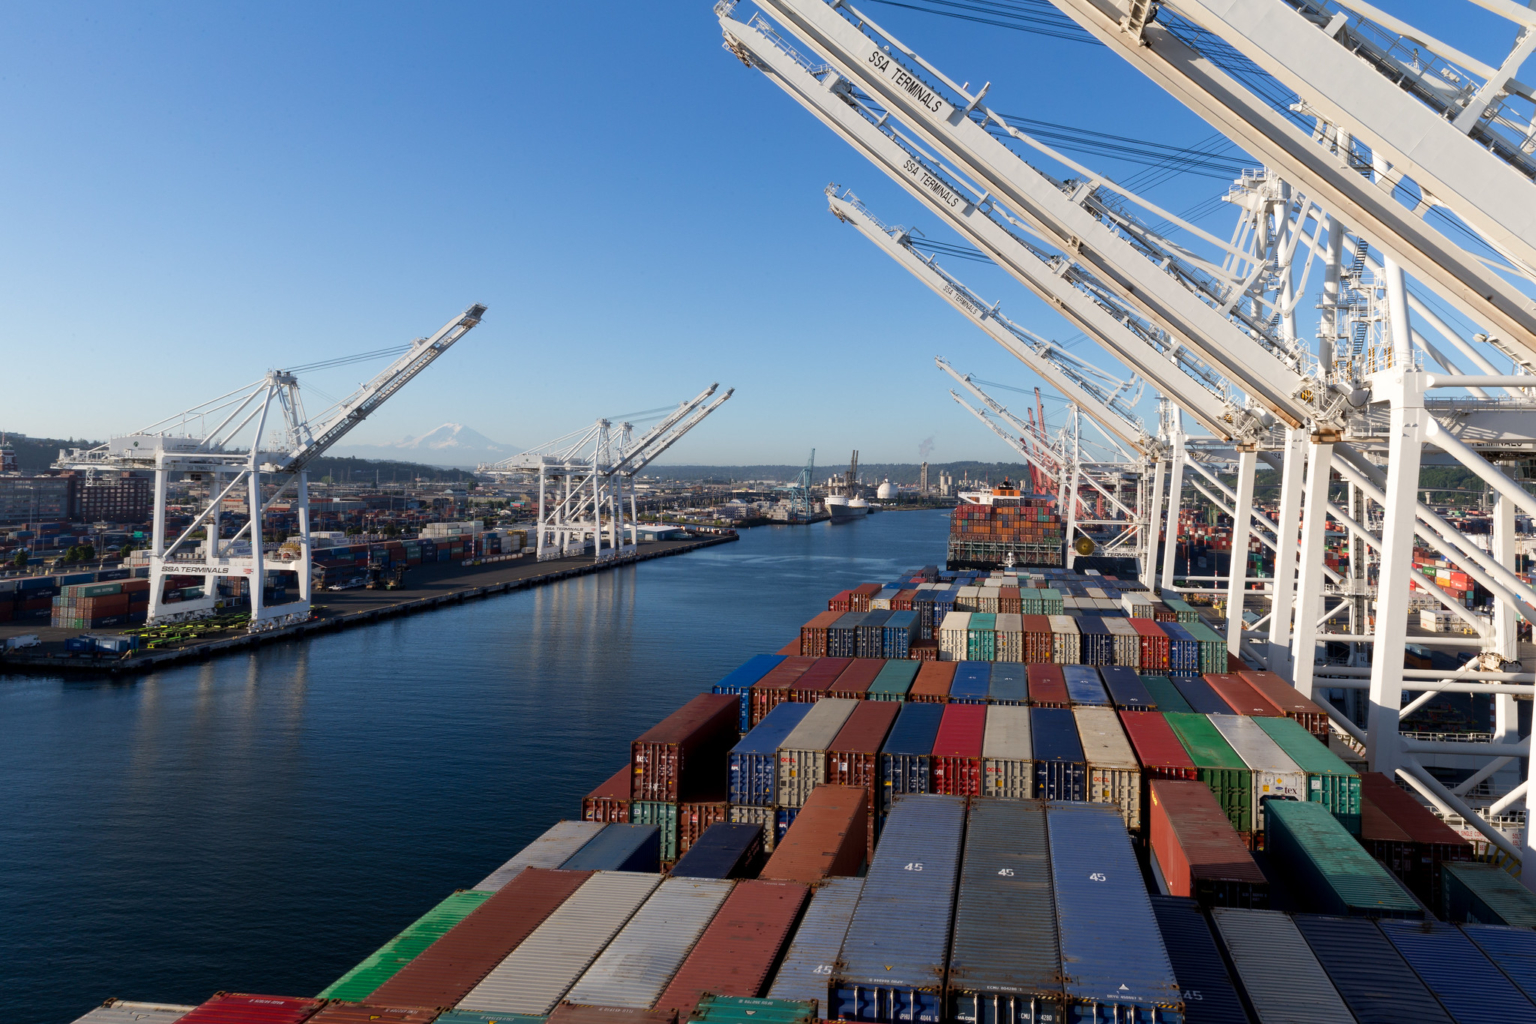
1198, 693
1113, 962
1513, 951
1465, 981
754, 760
1126, 690
619, 848
842, 635
1083, 685
782, 819
740, 682
1183, 648
972, 682
1372, 979
808, 964
908, 749
1097, 644
899, 632
1060, 770
892, 963
1210, 995
869, 637
723, 851
1009, 683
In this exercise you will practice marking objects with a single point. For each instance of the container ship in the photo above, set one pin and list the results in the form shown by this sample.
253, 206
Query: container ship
999, 797
1004, 527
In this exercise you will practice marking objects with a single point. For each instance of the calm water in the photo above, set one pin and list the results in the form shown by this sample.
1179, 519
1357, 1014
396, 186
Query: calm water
261, 823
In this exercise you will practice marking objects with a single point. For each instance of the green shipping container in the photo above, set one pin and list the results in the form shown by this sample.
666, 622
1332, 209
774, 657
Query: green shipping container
1213, 647
981, 637
479, 1017
1484, 894
1165, 696
96, 590
360, 982
1183, 609
894, 680
1219, 766
1330, 781
1333, 872
1051, 603
664, 817
746, 1010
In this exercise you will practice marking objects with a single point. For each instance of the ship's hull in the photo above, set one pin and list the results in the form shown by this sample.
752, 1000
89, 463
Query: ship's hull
843, 511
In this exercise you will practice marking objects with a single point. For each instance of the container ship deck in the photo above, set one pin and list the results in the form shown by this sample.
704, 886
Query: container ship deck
987, 797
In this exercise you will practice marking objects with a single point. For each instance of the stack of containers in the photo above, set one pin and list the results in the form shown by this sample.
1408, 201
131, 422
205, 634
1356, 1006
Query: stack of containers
860, 596
1060, 771
1219, 767
817, 942
957, 750
830, 836
897, 944
1288, 702
1183, 648
683, 760
1157, 748
1199, 695
1332, 872
853, 759
813, 683
1196, 850
1485, 894
986, 599
1370, 976
1274, 775
965, 598
1009, 601
1010, 636
843, 635
1329, 781
1238, 695
739, 683
723, 851
1213, 646
932, 683
981, 637
1048, 687
609, 801
1098, 644
1084, 686
954, 636
773, 688
1038, 642
803, 756
905, 759
898, 633
1127, 643
1126, 690
1114, 775
736, 954
1051, 602
556, 846
972, 682
1138, 604
1407, 837
1066, 642
869, 635
893, 681
1153, 656
1279, 973
853, 682
1004, 956
881, 602
813, 635
1096, 879
1183, 612
1197, 963
1007, 753
385, 962
754, 769
1009, 684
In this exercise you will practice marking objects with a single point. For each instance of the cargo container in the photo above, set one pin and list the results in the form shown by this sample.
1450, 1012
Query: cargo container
843, 634
1126, 690
663, 817
736, 954
1329, 781
803, 753
1332, 873
1007, 753
1008, 684
932, 683
971, 683
636, 966
1213, 647
1097, 643
1218, 766
620, 848
740, 681
869, 635
1484, 894
723, 851
556, 846
1114, 775
1039, 644
1060, 773
815, 681
773, 689
1199, 854
1237, 695
450, 967
1010, 636
1210, 994
897, 943
1407, 837
538, 973
906, 757
813, 636
763, 818
385, 962
1084, 686
981, 637
894, 680
818, 940
246, 1008
1287, 701
1183, 648
854, 681
1275, 776
1277, 969
854, 757
1157, 746
1004, 963
695, 817
1066, 642
1512, 950
683, 757
1369, 974
1165, 695
1465, 981
954, 634
754, 761
1112, 955
128, 1011
743, 1010
956, 765
1127, 644
1198, 695
609, 801
1184, 613
573, 1013
1048, 686
830, 836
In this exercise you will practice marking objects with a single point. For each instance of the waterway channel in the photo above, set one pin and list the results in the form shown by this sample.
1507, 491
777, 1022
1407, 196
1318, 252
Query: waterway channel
261, 822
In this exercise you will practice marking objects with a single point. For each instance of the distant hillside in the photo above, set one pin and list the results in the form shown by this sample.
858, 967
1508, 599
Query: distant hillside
872, 473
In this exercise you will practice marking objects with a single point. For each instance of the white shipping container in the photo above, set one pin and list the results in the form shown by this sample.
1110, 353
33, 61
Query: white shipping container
818, 941
986, 600
1066, 645
550, 850
803, 754
1114, 774
952, 633
1010, 637
536, 975
967, 598
995, 581
1274, 773
1007, 753
1435, 620
1095, 592
1278, 969
1127, 641
641, 960
1136, 604
123, 1011
881, 602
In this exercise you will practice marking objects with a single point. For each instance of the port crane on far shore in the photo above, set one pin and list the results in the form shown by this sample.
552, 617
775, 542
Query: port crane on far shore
583, 478
234, 456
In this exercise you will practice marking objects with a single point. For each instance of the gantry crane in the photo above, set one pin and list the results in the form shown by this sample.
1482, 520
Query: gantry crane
234, 457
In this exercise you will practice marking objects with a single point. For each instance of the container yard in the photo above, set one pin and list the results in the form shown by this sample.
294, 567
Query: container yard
978, 840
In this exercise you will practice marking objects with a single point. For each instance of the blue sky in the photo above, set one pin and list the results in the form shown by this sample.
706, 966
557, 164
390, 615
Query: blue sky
195, 193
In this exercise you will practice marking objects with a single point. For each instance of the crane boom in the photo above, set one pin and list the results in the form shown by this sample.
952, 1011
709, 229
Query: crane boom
644, 457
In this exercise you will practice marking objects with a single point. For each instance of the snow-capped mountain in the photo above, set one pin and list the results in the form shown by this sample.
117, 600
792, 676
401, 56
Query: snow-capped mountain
452, 444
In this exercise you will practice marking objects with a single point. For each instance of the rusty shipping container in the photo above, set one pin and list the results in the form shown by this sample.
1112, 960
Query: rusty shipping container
829, 837
683, 757
1199, 853
609, 801
773, 689
1288, 701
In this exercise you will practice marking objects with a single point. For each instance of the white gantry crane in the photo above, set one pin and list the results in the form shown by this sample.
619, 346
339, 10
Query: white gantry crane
584, 476
258, 431
1360, 121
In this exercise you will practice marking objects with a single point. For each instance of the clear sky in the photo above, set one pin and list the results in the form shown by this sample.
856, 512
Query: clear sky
195, 193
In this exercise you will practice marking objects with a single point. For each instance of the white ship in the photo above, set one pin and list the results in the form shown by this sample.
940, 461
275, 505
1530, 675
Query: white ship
842, 509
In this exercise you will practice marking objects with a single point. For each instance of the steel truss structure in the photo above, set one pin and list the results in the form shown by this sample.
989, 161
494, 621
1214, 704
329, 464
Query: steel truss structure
1212, 323
585, 476
237, 456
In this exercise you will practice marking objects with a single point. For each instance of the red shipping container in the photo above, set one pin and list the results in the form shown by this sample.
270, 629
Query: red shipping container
813, 683
854, 682
923, 650
1047, 686
773, 689
1154, 645
956, 765
445, 971
789, 650
356, 1013
902, 602
1406, 836
683, 757
1239, 696
861, 594
739, 949
1287, 700
842, 601
1157, 747
244, 1008
693, 818
1037, 640
829, 836
932, 683
853, 759
1200, 854
1009, 601
610, 801
813, 635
